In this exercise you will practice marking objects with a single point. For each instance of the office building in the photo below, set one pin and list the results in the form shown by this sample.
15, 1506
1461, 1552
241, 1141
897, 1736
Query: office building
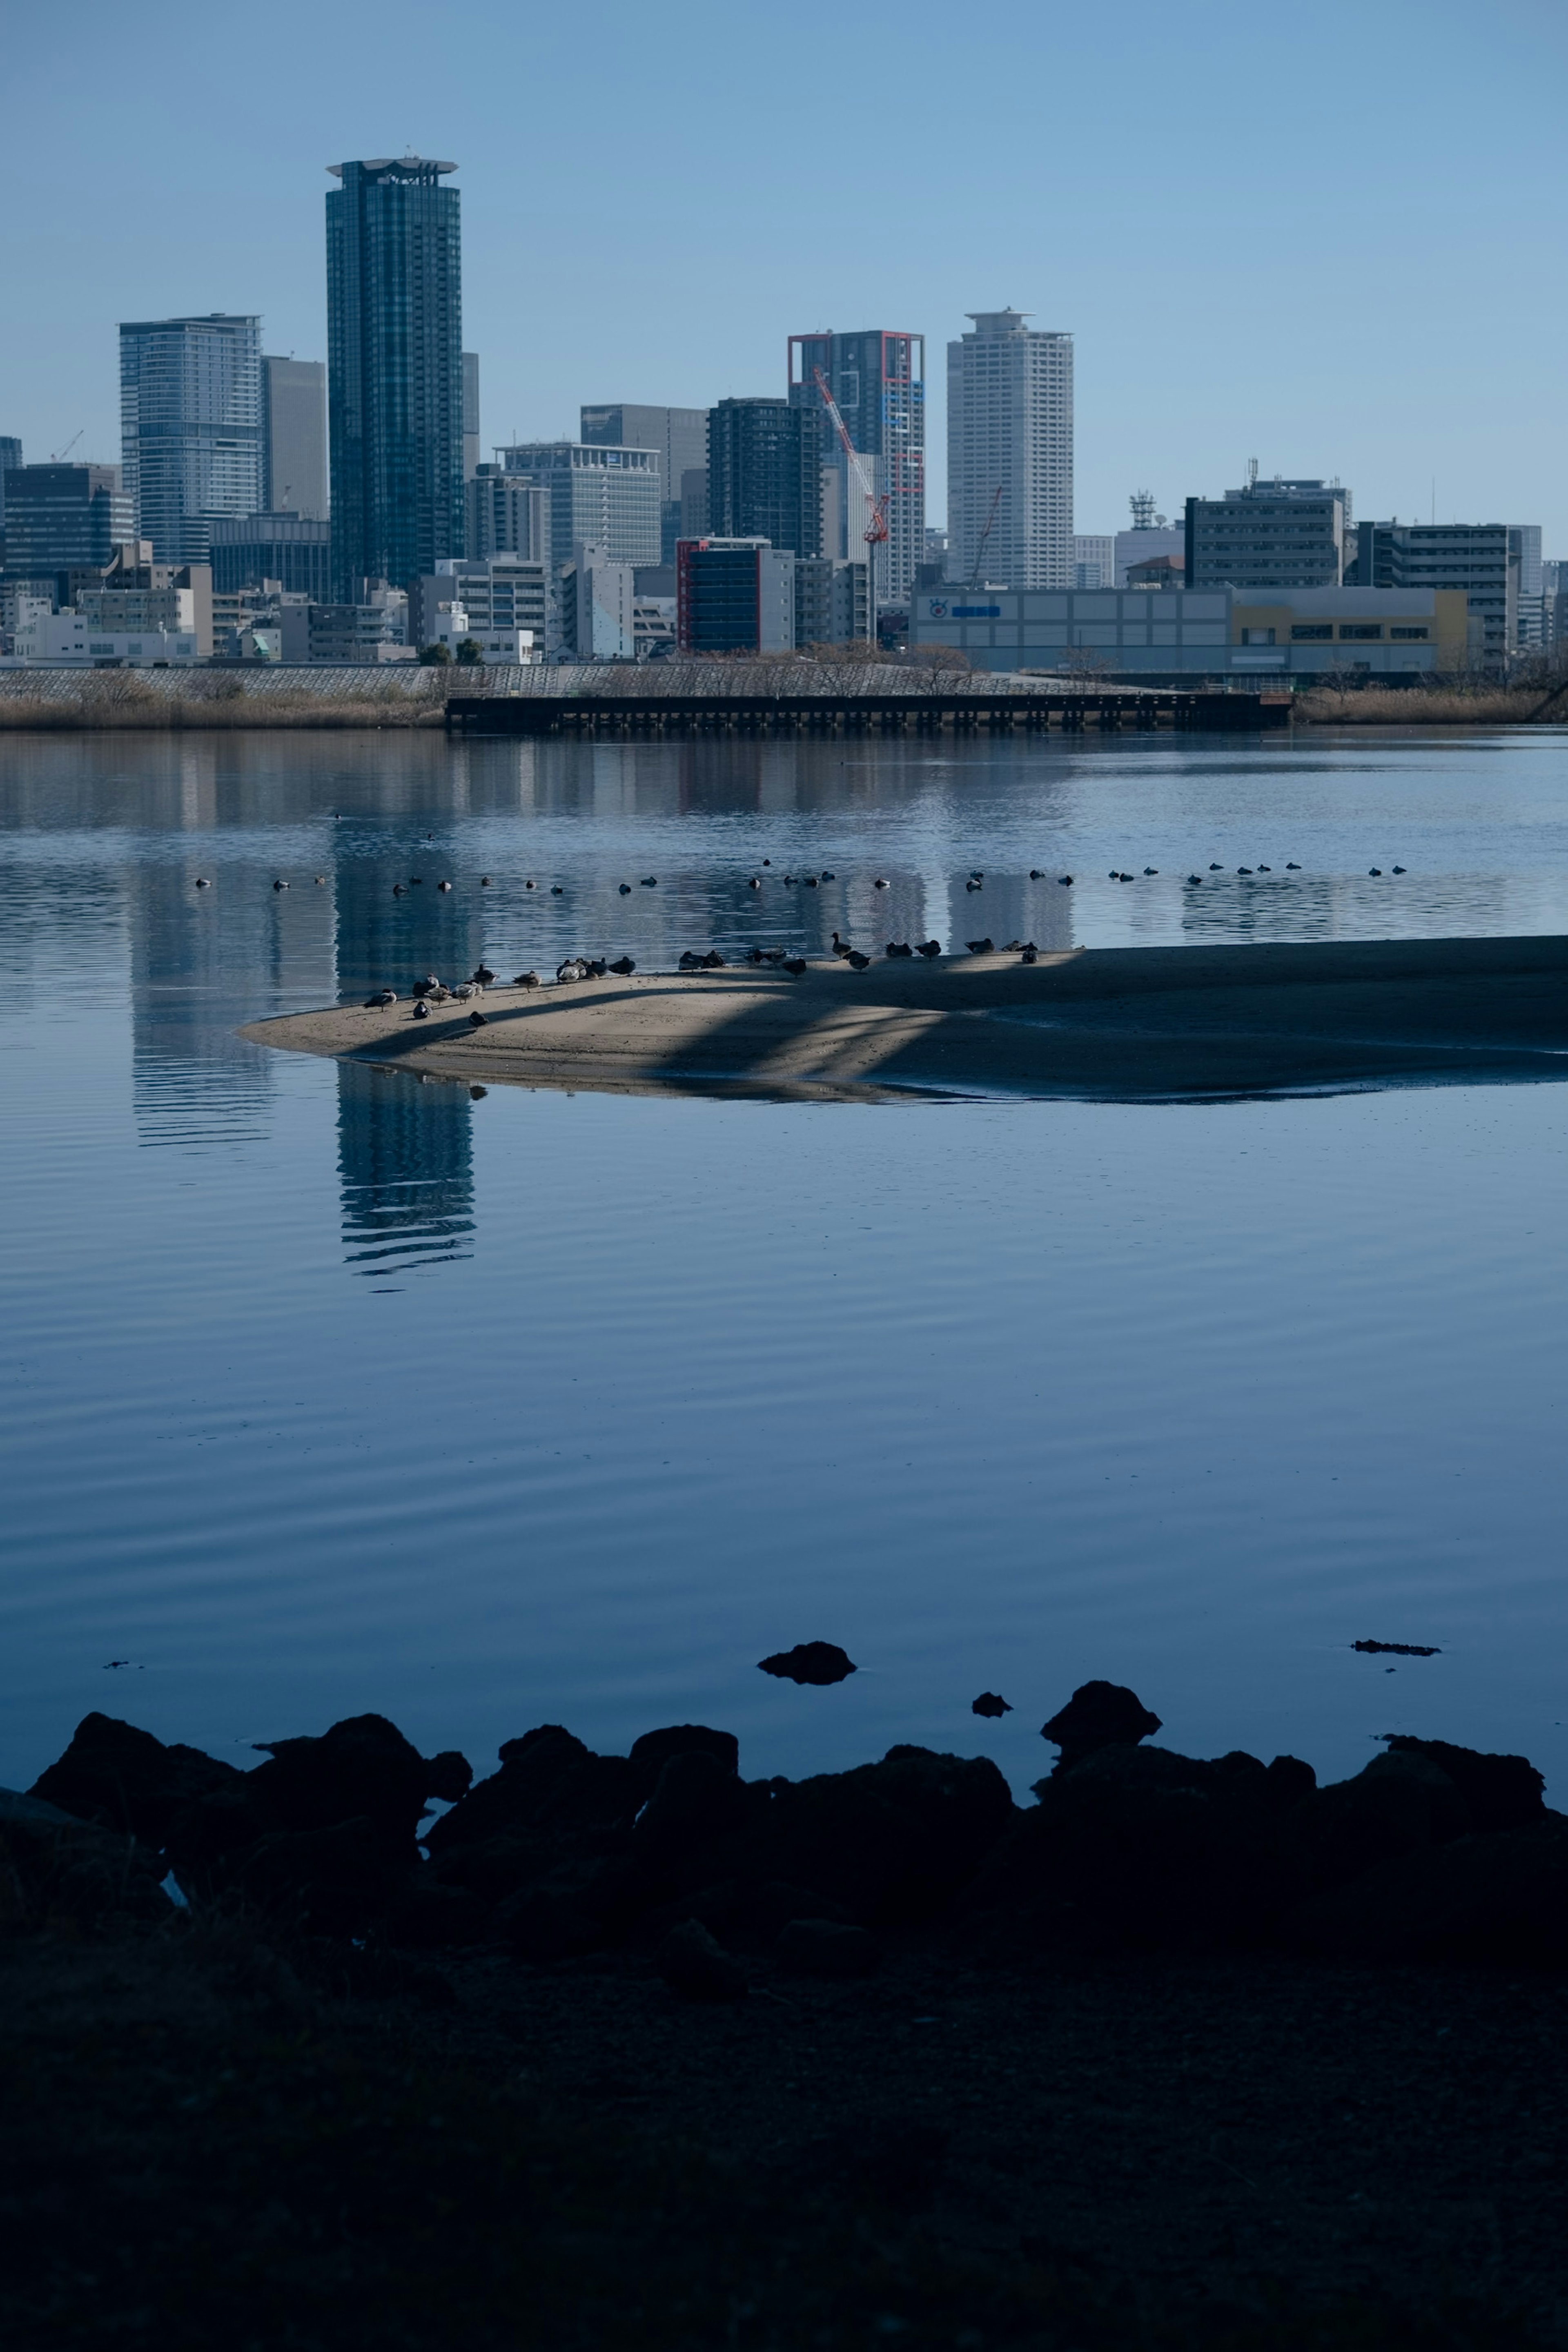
293, 549
60, 519
1278, 534
507, 514
1472, 556
1010, 453
394, 370
500, 592
734, 595
1171, 634
654, 631
765, 474
877, 378
358, 636
470, 414
694, 501
10, 457
294, 437
1531, 627
191, 427
1142, 544
831, 600
1093, 560
680, 436
598, 497
598, 607
453, 628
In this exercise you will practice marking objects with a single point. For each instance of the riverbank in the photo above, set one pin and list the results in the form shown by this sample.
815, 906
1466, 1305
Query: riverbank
1119, 1023
1184, 2056
1434, 706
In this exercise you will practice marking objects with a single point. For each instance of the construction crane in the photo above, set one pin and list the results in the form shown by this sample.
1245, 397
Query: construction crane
57, 454
876, 508
974, 580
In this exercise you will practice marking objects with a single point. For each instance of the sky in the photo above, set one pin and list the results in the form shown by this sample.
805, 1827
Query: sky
1328, 239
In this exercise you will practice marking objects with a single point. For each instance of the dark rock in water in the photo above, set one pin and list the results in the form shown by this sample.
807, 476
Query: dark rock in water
809, 1661
127, 1779
691, 1962
1500, 1792
653, 1750
989, 1703
360, 1766
1499, 1898
1398, 1649
1098, 1715
431, 1916
825, 1948
59, 1871
1396, 1805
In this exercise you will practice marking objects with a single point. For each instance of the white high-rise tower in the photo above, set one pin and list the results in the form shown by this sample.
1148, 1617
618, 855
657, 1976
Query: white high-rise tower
1010, 454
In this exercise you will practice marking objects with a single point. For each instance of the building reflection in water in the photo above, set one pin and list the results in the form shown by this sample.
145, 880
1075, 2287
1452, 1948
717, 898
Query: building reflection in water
405, 1166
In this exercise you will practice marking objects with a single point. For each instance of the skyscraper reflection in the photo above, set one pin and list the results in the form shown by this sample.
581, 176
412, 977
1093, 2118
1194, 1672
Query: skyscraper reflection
405, 1169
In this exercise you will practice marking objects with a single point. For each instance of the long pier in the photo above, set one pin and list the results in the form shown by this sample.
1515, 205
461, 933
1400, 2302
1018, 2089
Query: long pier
1070, 707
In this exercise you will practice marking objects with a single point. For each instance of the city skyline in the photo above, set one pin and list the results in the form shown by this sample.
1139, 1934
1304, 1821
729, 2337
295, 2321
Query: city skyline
1332, 351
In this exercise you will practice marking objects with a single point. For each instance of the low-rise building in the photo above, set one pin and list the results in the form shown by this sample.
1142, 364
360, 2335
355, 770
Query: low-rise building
734, 595
73, 641
498, 591
1475, 558
653, 627
1278, 534
463, 640
352, 635
832, 601
1172, 634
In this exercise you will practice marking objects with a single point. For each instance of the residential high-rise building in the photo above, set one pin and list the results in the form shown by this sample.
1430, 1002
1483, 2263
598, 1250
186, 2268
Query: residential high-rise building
765, 474
877, 378
598, 497
1010, 454
294, 437
62, 519
394, 366
680, 436
1474, 556
470, 414
1271, 534
189, 427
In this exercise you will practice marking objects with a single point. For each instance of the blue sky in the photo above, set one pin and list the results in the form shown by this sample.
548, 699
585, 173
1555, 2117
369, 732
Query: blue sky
1329, 238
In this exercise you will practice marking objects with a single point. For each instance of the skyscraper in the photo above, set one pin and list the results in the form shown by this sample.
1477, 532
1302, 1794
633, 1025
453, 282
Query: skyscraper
1010, 454
294, 437
598, 497
765, 474
877, 377
394, 370
64, 518
189, 427
680, 436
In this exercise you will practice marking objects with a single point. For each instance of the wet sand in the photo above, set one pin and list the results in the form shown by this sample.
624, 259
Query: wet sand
1120, 1024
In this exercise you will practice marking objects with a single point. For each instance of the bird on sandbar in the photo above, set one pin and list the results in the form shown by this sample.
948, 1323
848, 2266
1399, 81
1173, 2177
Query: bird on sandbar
980, 947
794, 966
929, 948
527, 980
382, 996
421, 1009
623, 967
841, 946
478, 1021
483, 974
898, 947
856, 962
1029, 953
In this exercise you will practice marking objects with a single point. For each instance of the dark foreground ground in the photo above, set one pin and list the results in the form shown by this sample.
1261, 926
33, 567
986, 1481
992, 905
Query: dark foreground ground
204, 2145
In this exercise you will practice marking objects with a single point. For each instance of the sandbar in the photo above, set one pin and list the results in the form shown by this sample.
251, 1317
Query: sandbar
1117, 1023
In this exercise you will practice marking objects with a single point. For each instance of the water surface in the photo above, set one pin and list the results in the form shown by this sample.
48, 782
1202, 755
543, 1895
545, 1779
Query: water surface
326, 1390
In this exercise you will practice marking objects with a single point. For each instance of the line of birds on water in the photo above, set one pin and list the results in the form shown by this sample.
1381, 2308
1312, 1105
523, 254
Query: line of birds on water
975, 879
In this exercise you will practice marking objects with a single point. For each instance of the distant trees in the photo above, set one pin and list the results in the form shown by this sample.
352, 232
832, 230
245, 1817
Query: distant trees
434, 657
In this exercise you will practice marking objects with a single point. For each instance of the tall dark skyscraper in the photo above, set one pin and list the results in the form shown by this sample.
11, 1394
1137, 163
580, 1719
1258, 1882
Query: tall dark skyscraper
394, 370
765, 474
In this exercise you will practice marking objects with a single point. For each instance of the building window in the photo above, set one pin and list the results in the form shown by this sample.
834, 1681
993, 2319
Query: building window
1408, 635
1257, 637
1314, 632
1364, 630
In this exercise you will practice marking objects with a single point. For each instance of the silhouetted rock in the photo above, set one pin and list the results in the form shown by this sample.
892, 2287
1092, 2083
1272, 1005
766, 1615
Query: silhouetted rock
362, 1767
696, 1797
127, 1779
1400, 1649
744, 1910
1098, 1715
547, 1923
809, 1661
889, 1841
653, 1750
1290, 1781
338, 1881
533, 1771
1394, 1806
1500, 1792
1499, 1898
692, 1963
989, 1703
826, 1947
69, 1876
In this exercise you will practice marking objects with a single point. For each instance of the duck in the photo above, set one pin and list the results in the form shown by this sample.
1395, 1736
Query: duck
429, 985
788, 881
574, 968
1035, 875
768, 861
755, 883
1291, 866
840, 947
466, 990
478, 1021
829, 875
980, 947
879, 883
320, 879
689, 961
414, 878
1215, 866
398, 890
649, 881
623, 967
280, 886
811, 880
972, 885
527, 980
1151, 869
202, 883
794, 966
929, 948
556, 892
1065, 880
1265, 870
483, 974
483, 881
1375, 870
625, 890
530, 886
421, 1009
856, 962
443, 886
1028, 953
898, 947
382, 996
1399, 869
1244, 869
976, 873
1196, 880
712, 960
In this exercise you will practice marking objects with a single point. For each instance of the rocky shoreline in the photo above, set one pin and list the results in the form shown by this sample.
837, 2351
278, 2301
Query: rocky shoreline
1184, 2055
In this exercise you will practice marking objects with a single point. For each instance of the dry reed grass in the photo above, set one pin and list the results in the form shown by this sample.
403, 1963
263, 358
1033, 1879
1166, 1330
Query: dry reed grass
1438, 706
128, 706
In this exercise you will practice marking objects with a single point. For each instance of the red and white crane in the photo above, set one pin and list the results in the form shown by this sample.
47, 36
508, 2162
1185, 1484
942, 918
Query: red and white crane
876, 527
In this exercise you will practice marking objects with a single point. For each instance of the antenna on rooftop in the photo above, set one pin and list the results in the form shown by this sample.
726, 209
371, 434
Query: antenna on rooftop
1251, 473
1142, 505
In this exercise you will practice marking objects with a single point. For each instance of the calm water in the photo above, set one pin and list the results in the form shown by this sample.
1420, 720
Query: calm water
327, 1391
